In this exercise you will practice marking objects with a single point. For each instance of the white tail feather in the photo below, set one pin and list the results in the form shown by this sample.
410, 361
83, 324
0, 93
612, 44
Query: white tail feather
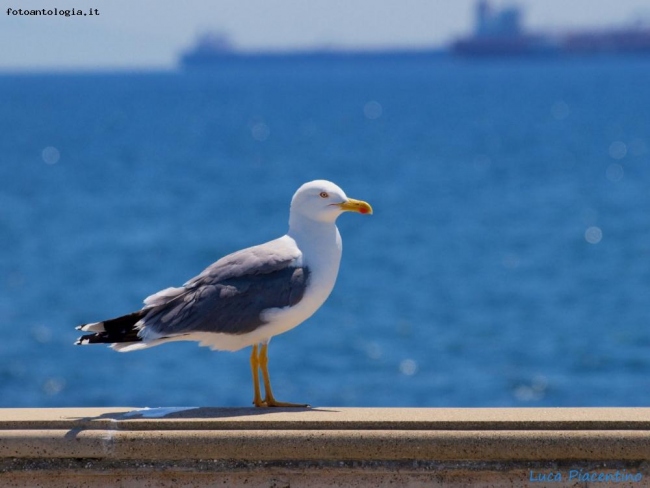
136, 346
94, 327
130, 346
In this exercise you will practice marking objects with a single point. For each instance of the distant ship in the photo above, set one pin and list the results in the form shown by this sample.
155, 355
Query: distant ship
216, 49
498, 32
209, 46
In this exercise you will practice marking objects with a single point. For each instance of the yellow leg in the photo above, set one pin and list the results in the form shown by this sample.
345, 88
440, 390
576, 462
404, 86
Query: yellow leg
255, 364
269, 400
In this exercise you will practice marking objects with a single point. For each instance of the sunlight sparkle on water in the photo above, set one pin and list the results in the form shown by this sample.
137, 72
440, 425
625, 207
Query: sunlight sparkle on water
615, 172
53, 386
372, 110
408, 367
534, 391
51, 155
260, 131
617, 149
373, 350
593, 235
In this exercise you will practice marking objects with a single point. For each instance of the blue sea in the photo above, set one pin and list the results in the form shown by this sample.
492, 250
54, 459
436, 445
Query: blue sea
507, 262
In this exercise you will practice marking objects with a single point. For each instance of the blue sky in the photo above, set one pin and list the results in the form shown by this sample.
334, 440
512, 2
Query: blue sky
149, 34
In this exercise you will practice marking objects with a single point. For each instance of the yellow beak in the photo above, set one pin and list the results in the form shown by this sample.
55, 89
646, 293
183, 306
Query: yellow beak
352, 205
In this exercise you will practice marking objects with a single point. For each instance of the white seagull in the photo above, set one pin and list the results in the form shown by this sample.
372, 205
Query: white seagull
249, 296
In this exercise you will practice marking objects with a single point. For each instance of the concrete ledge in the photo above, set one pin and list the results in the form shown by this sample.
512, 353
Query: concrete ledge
322, 446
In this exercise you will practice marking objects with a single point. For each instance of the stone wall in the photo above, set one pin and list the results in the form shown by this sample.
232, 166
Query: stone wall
325, 446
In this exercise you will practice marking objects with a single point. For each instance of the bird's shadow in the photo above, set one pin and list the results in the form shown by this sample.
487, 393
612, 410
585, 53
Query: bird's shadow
121, 420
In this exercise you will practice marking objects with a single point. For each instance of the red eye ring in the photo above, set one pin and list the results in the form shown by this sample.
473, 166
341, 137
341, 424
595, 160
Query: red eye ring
324, 194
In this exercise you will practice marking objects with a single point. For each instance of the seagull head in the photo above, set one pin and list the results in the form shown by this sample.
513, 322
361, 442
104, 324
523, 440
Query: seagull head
324, 201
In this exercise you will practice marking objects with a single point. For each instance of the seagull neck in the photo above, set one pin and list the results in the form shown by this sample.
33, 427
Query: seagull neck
303, 229
320, 246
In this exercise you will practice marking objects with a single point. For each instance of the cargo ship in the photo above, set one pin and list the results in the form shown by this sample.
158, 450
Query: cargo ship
499, 32
216, 49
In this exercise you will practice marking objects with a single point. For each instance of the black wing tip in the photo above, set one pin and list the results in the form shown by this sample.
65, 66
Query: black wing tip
119, 329
100, 338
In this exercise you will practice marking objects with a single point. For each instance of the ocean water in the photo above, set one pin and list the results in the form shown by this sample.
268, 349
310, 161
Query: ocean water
507, 262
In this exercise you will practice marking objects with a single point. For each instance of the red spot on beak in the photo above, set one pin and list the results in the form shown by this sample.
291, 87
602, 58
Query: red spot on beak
363, 210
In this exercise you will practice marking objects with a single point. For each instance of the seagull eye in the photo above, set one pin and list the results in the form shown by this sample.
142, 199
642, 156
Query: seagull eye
324, 194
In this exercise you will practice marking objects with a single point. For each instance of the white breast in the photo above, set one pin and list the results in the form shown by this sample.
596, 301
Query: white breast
322, 257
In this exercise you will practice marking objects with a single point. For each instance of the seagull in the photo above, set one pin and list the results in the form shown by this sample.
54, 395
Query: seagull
249, 296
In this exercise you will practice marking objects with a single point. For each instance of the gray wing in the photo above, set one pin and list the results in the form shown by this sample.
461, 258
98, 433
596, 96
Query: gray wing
230, 295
